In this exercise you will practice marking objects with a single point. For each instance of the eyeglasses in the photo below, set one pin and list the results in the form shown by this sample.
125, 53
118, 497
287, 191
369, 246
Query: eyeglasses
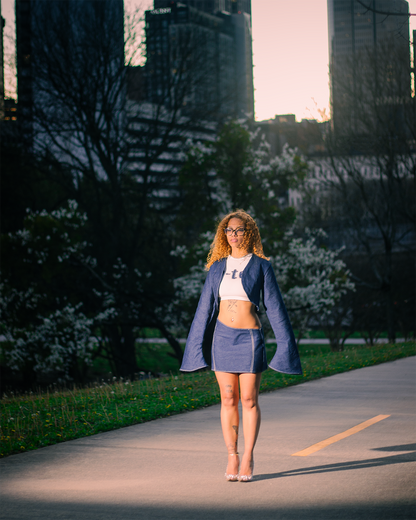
239, 232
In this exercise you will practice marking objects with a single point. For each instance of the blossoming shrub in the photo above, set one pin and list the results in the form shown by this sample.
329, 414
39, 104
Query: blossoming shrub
312, 278
48, 336
59, 346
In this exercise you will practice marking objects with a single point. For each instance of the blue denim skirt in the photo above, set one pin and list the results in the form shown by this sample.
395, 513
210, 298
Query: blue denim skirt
238, 350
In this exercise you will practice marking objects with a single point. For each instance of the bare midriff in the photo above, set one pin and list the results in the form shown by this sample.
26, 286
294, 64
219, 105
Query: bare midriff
238, 314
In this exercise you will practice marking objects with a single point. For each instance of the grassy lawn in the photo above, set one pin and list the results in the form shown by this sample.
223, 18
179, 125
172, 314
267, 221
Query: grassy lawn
32, 421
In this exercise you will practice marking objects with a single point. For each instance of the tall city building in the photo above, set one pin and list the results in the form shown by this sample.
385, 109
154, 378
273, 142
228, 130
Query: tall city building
8, 106
211, 6
55, 41
24, 67
369, 55
2, 22
199, 57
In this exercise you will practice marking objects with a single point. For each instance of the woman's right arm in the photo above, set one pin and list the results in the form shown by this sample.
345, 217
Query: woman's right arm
193, 358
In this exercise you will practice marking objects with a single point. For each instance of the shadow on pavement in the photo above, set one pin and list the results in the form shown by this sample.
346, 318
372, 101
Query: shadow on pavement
38, 510
352, 464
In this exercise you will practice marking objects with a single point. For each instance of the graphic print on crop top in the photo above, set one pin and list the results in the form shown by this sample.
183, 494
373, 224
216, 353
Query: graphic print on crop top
231, 287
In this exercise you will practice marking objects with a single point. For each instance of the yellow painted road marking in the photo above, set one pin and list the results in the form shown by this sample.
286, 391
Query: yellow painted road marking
340, 436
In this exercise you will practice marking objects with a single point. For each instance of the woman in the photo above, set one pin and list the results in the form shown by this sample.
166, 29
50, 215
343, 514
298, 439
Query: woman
238, 272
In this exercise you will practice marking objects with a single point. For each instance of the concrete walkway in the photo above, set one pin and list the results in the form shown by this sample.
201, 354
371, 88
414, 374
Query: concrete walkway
173, 468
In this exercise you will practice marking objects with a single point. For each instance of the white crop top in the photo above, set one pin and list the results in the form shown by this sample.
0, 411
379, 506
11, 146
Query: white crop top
231, 287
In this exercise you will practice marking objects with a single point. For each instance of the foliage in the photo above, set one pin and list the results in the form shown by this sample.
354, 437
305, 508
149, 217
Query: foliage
41, 296
48, 276
363, 190
237, 170
60, 344
34, 420
35, 259
24, 185
119, 152
312, 278
188, 286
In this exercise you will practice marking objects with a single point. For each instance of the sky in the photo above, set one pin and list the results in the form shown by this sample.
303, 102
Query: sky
290, 55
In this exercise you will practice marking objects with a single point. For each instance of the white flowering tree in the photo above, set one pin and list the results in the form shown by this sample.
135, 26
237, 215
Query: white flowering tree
47, 331
313, 280
59, 345
188, 287
58, 301
237, 170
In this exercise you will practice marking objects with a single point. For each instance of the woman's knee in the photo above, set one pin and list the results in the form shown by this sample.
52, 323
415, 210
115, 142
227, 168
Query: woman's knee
229, 400
249, 401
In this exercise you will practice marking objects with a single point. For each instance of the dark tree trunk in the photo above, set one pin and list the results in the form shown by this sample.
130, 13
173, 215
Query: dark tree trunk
29, 377
174, 343
391, 321
335, 344
388, 291
124, 350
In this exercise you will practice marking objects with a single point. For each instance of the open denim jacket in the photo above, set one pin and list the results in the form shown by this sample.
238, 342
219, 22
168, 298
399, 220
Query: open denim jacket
257, 276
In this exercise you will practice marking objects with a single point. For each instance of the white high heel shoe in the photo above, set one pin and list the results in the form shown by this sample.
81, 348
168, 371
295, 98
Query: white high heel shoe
230, 476
247, 478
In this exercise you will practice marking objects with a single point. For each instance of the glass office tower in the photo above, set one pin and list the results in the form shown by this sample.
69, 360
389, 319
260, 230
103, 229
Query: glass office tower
369, 54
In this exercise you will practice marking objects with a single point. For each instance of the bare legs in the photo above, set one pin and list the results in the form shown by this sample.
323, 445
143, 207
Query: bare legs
228, 384
249, 389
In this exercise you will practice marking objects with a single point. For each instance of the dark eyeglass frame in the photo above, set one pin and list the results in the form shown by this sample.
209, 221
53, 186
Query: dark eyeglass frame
239, 232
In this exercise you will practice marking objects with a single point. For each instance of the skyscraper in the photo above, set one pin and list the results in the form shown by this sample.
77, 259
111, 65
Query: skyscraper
200, 55
369, 54
24, 69
211, 6
55, 41
2, 23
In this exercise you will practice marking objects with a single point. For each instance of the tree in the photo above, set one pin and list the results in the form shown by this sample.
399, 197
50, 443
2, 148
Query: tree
43, 303
237, 170
24, 185
313, 280
364, 189
115, 153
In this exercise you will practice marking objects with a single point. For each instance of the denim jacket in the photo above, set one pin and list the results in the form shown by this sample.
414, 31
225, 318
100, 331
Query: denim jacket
258, 276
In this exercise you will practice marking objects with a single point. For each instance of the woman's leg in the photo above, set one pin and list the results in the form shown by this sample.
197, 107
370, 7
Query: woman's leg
228, 384
249, 389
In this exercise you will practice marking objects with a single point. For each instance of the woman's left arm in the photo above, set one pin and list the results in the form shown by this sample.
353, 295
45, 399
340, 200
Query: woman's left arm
287, 358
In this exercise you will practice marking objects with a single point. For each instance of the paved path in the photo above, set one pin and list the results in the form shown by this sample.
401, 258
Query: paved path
173, 468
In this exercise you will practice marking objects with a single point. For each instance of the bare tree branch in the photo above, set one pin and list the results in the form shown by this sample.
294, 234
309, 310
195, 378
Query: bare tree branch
378, 11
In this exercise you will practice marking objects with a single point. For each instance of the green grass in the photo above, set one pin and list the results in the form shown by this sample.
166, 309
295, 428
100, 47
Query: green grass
32, 421
155, 357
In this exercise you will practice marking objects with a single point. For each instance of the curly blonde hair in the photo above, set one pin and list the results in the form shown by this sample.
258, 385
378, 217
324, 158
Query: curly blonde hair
220, 248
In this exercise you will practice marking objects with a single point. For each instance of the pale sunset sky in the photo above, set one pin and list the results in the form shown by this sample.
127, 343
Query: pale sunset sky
290, 55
